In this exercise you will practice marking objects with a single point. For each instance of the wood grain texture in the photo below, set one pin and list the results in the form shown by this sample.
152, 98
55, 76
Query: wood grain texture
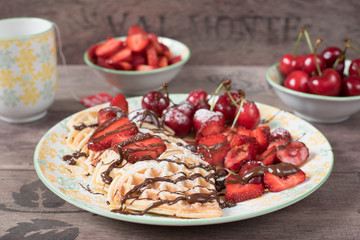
332, 212
30, 209
218, 32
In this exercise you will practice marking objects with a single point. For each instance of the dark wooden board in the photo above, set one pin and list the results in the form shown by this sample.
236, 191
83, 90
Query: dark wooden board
225, 32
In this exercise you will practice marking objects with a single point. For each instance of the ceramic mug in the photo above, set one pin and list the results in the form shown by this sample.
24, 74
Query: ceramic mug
28, 74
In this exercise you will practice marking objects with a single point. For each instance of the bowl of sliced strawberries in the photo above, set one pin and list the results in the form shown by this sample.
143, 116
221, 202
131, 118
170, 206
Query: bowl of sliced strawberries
139, 62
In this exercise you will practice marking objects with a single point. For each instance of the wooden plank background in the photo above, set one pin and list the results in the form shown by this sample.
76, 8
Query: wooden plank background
218, 32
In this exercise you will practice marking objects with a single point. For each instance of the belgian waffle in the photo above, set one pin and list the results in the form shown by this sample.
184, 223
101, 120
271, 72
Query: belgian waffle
177, 184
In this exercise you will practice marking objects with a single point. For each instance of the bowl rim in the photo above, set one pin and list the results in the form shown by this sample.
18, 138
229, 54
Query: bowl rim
278, 86
157, 70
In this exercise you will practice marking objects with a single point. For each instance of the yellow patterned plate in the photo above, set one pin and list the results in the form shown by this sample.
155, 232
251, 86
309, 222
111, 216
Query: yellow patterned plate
68, 182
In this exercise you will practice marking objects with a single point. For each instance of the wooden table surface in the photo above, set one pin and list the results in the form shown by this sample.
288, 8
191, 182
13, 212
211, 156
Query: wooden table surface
29, 210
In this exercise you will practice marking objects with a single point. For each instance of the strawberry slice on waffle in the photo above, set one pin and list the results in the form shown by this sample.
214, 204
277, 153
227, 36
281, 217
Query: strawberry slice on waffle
102, 137
142, 147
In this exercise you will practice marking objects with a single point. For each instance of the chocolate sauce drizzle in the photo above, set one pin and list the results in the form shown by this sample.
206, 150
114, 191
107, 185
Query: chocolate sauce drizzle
105, 176
71, 158
280, 170
144, 115
213, 195
82, 126
87, 188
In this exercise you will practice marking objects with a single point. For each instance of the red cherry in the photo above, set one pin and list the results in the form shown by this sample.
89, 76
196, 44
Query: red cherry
354, 68
340, 68
328, 84
249, 115
196, 96
201, 116
299, 62
351, 86
297, 81
287, 64
202, 104
279, 133
226, 106
186, 108
177, 121
330, 55
310, 66
155, 101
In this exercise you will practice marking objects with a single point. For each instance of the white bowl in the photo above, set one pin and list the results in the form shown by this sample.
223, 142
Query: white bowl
139, 82
311, 107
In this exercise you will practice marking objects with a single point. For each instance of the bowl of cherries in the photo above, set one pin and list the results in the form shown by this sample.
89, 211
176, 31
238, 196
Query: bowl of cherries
138, 62
319, 87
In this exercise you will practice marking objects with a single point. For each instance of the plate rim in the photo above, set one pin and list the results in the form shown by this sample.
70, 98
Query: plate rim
168, 221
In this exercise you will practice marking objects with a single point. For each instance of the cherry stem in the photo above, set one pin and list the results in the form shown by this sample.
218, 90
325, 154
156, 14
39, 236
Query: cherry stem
298, 41
315, 56
308, 41
238, 113
164, 87
226, 83
342, 55
353, 47
231, 98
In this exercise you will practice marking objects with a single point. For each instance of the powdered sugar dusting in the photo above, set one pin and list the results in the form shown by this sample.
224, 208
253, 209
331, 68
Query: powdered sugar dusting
203, 115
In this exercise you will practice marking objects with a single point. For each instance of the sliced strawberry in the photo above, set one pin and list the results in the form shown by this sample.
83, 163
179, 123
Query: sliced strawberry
133, 30
239, 193
242, 131
280, 143
295, 153
167, 52
211, 127
244, 170
114, 137
108, 113
101, 138
122, 55
213, 148
155, 43
137, 42
120, 101
142, 147
163, 62
238, 155
111, 125
268, 156
152, 57
238, 140
138, 59
230, 133
128, 131
261, 134
277, 184
91, 53
124, 65
175, 60
96, 99
144, 68
108, 48
103, 62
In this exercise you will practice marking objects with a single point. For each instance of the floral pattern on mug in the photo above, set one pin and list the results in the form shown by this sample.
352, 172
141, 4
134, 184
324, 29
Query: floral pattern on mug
28, 70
